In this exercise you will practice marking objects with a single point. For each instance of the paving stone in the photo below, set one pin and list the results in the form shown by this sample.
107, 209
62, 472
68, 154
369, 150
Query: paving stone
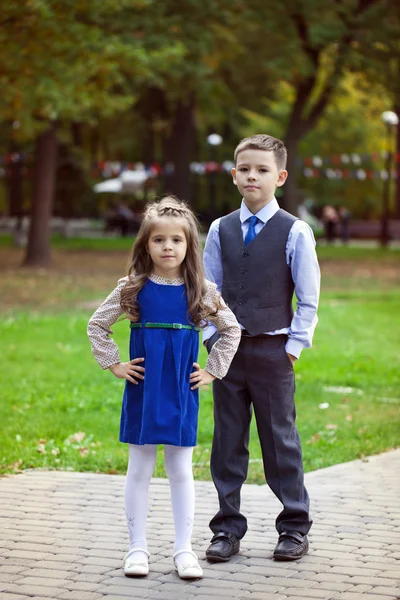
389, 591
129, 582
270, 571
256, 596
55, 565
210, 592
8, 596
63, 537
350, 596
175, 595
80, 595
43, 581
308, 593
374, 581
34, 590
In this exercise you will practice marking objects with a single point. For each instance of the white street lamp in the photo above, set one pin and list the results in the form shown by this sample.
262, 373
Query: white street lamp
214, 139
391, 121
390, 118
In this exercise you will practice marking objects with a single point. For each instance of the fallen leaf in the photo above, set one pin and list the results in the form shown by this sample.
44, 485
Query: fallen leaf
349, 418
331, 426
16, 466
83, 451
77, 437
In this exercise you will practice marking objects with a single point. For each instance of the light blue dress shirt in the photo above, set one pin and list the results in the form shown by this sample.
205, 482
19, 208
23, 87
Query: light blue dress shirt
300, 257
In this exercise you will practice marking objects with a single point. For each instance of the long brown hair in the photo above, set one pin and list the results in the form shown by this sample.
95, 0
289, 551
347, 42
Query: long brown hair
141, 265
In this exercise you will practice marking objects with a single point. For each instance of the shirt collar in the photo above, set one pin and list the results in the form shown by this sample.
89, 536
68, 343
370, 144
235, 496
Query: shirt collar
264, 214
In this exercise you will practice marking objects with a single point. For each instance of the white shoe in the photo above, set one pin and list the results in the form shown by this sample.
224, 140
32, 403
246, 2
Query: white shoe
188, 567
136, 566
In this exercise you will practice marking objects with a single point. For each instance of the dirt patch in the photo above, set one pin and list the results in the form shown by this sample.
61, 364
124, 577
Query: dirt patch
80, 279
380, 271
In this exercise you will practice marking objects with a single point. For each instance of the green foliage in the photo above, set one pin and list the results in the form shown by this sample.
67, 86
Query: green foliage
286, 68
72, 61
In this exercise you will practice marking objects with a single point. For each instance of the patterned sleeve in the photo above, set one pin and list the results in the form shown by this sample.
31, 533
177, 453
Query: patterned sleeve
225, 347
104, 349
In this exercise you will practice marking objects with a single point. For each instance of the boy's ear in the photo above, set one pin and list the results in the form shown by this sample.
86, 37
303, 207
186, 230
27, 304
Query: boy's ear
282, 177
234, 175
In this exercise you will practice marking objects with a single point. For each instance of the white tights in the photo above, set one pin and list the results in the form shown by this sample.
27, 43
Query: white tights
178, 465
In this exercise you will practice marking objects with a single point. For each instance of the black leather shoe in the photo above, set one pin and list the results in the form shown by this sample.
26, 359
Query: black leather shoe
223, 546
291, 545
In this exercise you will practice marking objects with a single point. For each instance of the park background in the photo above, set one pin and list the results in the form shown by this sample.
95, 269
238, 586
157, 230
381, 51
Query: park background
91, 90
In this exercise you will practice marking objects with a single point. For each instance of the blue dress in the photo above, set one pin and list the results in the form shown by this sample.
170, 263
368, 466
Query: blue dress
162, 409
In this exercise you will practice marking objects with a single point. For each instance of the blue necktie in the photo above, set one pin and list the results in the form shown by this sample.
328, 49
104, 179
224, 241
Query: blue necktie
251, 232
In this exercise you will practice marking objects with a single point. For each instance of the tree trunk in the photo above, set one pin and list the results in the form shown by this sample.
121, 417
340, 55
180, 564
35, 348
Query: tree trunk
397, 165
38, 251
179, 149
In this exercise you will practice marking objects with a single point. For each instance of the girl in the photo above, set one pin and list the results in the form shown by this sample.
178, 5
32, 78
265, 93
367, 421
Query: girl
167, 300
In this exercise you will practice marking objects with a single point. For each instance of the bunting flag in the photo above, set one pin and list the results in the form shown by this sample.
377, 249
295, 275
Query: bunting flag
360, 174
343, 166
345, 159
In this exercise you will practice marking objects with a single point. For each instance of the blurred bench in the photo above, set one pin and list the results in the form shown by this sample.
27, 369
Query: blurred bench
371, 230
66, 227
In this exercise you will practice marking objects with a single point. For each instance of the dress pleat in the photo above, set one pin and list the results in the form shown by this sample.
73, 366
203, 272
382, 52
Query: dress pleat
162, 409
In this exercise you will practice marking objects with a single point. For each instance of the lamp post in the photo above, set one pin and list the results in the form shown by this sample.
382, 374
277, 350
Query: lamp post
391, 120
213, 140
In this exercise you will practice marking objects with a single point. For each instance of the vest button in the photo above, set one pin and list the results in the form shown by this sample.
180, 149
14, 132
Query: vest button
245, 254
243, 271
241, 286
240, 303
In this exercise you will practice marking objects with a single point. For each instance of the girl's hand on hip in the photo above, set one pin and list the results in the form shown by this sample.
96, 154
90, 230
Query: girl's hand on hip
200, 377
129, 370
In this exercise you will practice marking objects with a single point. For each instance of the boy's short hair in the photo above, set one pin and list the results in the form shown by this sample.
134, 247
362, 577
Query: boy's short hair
262, 141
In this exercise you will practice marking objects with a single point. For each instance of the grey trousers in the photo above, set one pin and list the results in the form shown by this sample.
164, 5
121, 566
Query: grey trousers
261, 377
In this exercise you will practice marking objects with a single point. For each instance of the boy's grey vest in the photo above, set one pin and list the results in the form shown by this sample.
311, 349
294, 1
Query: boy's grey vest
257, 282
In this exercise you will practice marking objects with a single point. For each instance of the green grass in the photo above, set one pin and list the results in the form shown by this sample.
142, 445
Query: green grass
52, 389
81, 243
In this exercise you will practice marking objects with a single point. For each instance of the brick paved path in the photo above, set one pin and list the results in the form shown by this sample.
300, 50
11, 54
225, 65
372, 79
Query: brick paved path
63, 536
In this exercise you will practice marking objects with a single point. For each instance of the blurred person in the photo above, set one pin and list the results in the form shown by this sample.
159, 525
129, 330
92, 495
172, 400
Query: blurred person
344, 218
167, 300
126, 218
330, 219
259, 256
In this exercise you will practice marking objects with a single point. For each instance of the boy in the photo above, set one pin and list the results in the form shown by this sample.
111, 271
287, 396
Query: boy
259, 256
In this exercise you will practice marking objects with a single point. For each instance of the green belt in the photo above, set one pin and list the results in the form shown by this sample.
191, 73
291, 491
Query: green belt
163, 326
